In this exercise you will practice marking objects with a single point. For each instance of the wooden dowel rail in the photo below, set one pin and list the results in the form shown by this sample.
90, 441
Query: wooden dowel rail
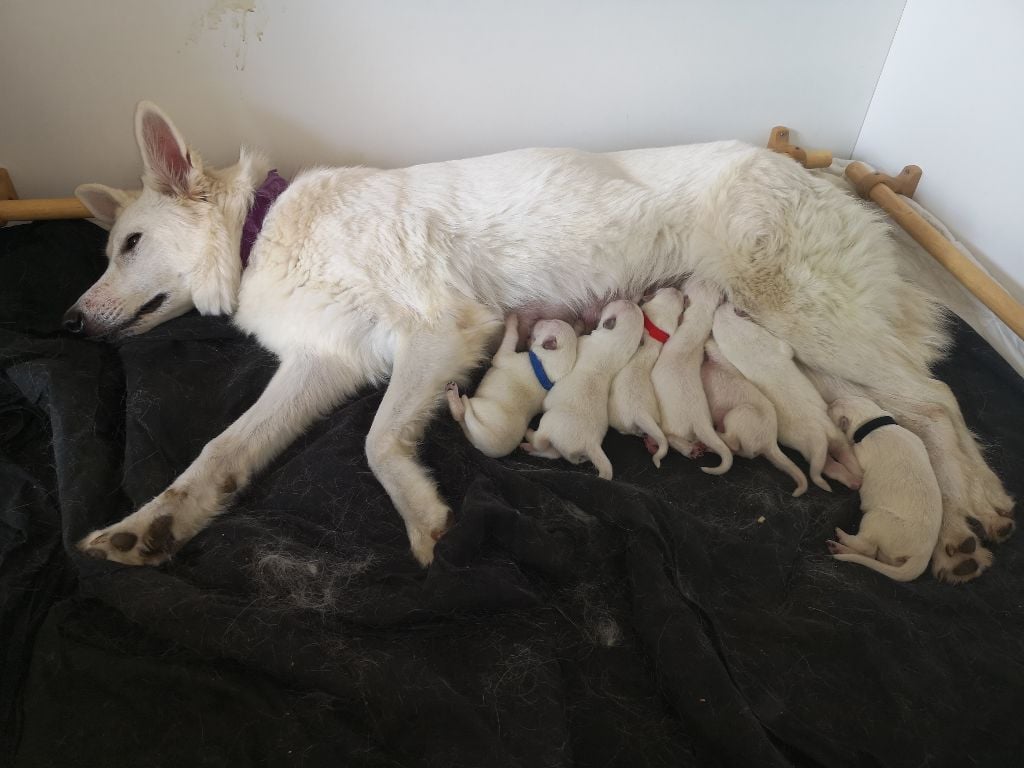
879, 188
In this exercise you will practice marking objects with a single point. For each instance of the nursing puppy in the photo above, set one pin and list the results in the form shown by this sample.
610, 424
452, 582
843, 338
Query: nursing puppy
633, 406
513, 389
685, 416
899, 496
576, 409
744, 416
803, 422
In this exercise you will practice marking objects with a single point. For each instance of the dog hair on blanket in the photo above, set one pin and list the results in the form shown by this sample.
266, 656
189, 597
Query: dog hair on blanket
575, 416
361, 276
509, 395
899, 496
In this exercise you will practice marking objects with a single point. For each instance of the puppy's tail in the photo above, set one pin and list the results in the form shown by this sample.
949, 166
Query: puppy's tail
782, 462
908, 571
711, 439
456, 404
647, 423
600, 460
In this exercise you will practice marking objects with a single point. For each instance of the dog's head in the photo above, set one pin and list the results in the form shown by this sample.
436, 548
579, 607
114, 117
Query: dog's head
849, 413
174, 244
620, 329
554, 343
665, 309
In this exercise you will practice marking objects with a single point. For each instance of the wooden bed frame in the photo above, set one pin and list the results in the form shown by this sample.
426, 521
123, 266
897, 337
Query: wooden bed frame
884, 190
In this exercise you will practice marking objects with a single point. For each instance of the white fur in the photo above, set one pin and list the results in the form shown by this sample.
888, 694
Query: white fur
575, 416
803, 422
899, 496
685, 415
361, 274
496, 417
632, 404
744, 416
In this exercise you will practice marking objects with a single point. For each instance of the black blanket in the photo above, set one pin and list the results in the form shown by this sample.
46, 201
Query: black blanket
668, 618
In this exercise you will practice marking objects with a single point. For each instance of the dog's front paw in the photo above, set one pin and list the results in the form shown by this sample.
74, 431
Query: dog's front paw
425, 533
148, 537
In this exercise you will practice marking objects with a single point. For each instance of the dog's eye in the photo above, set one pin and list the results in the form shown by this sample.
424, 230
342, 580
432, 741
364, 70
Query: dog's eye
609, 323
131, 241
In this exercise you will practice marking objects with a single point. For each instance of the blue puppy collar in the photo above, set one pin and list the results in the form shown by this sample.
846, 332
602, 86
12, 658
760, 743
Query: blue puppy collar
538, 371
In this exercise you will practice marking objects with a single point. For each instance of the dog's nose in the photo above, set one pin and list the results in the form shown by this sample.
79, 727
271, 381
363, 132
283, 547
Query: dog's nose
74, 321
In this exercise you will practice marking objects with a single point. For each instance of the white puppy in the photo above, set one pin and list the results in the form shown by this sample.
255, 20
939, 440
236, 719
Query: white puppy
899, 495
513, 389
803, 421
576, 409
744, 416
633, 406
685, 416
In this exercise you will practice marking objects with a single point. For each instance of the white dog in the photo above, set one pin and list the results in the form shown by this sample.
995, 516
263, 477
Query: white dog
633, 406
803, 421
899, 496
358, 276
744, 416
575, 416
685, 415
513, 389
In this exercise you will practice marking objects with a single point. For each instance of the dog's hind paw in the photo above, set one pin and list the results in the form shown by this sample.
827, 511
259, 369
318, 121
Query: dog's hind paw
958, 557
424, 535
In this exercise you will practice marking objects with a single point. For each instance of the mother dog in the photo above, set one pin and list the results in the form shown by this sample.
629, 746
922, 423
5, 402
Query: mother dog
360, 275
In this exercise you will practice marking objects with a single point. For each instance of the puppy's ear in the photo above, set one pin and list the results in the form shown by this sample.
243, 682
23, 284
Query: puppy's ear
550, 343
103, 202
609, 323
740, 313
680, 320
169, 167
844, 423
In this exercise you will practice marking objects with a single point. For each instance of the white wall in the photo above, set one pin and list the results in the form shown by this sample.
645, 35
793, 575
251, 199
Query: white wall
406, 81
951, 99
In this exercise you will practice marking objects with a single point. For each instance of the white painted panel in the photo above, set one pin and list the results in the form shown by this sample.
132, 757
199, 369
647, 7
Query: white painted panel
951, 99
407, 81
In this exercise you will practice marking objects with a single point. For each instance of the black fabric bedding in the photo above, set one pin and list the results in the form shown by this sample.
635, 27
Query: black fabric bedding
668, 618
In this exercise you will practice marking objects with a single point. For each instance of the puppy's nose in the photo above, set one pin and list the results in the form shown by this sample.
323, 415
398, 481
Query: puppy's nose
74, 321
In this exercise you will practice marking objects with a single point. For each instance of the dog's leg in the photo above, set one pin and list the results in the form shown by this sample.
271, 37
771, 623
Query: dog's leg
424, 361
303, 389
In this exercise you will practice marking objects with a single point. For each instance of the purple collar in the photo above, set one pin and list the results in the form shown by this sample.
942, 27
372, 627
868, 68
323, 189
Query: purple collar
264, 197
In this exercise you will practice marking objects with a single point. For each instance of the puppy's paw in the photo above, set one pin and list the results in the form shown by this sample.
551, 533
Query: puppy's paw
698, 450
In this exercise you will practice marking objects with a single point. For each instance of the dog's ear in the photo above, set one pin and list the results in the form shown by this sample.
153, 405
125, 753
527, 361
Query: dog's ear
844, 423
550, 343
103, 202
164, 154
686, 301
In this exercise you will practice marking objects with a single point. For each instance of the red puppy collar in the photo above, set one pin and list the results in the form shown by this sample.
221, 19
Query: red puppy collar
656, 333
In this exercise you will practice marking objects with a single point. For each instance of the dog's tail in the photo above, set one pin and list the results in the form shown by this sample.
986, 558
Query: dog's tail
711, 439
649, 425
781, 461
907, 571
600, 460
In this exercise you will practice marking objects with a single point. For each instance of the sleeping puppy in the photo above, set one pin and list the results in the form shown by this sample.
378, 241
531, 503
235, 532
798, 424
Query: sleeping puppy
633, 406
685, 416
513, 389
803, 421
576, 409
744, 416
899, 494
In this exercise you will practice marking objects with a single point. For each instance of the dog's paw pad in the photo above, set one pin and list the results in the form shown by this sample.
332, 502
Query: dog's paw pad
650, 444
959, 562
698, 450
451, 386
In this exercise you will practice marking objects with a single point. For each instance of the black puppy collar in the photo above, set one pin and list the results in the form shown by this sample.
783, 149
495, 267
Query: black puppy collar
868, 427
